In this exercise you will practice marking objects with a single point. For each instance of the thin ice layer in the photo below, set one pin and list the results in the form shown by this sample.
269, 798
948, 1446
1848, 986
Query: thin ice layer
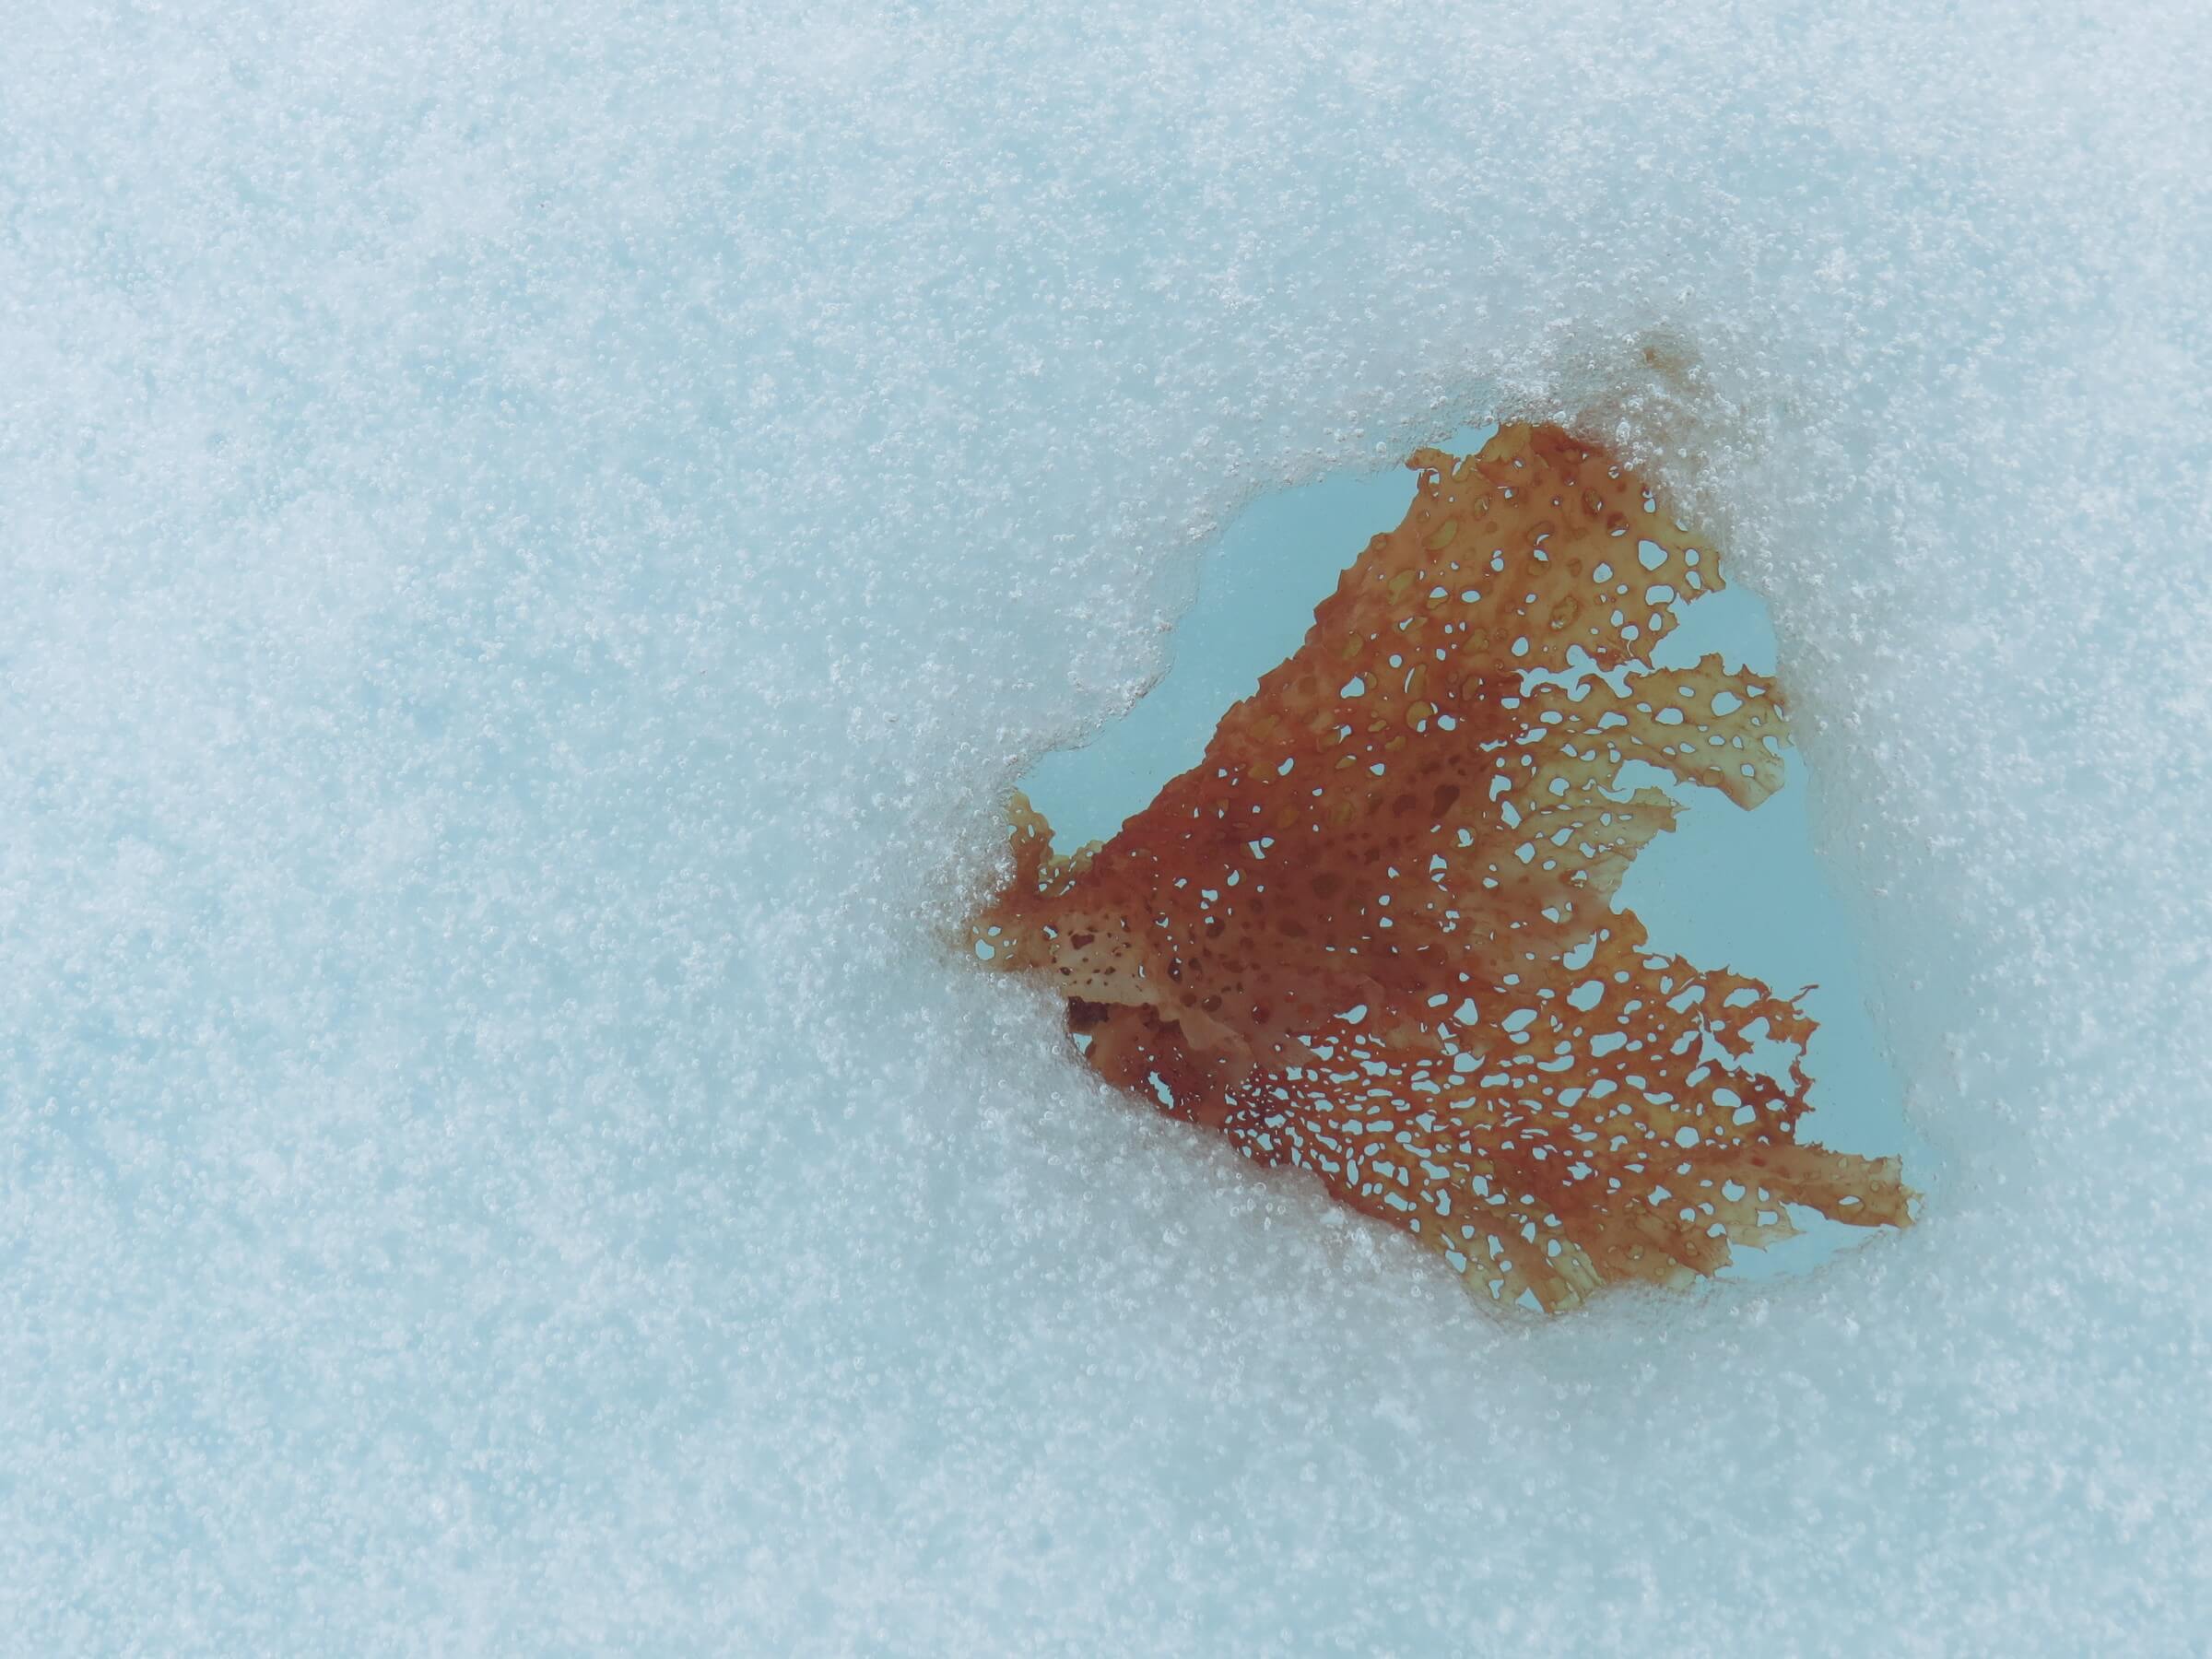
1372, 933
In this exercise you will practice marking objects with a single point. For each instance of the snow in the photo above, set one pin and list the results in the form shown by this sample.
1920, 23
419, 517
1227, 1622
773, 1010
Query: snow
536, 541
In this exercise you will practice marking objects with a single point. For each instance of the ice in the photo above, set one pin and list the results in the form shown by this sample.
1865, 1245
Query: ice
536, 542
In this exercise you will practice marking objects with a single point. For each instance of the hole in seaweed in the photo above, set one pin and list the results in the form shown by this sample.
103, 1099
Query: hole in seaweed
1510, 965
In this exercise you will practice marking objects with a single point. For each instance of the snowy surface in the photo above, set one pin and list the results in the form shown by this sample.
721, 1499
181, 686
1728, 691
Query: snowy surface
536, 540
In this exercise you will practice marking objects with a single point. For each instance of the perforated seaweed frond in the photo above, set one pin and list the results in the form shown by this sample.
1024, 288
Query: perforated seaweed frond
1372, 933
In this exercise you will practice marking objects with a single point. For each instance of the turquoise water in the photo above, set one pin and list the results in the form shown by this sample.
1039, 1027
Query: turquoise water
1726, 886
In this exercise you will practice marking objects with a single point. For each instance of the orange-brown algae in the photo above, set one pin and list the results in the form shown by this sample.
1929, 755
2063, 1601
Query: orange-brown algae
1372, 933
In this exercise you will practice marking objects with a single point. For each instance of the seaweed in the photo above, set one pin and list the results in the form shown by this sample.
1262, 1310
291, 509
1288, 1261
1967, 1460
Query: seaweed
1373, 933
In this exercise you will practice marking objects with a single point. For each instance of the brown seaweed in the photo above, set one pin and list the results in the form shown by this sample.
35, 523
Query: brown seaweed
1372, 933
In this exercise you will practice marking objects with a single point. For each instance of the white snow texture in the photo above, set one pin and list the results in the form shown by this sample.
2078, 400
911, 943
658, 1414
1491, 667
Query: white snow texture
537, 539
